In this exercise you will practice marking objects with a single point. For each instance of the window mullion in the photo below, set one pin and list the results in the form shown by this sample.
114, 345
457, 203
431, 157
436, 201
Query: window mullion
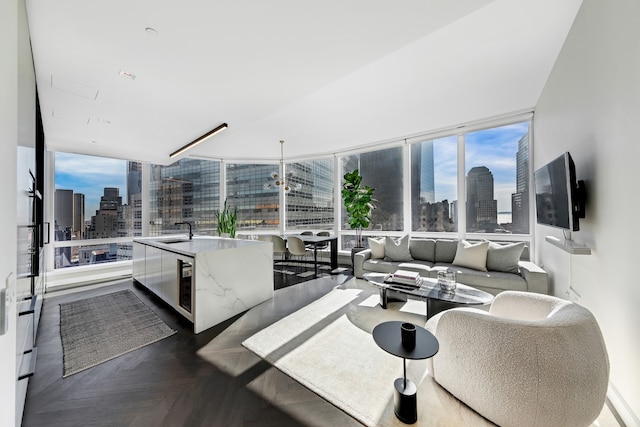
461, 205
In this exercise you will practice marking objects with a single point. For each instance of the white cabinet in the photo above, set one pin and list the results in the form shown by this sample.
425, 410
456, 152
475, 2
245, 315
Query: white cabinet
169, 285
139, 262
158, 271
153, 269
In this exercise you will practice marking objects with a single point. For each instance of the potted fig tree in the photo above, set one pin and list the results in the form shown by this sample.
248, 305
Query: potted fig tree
358, 202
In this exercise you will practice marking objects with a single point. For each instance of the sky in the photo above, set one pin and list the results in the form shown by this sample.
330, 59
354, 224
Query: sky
494, 148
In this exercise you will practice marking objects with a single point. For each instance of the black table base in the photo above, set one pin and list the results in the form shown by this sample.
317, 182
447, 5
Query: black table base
405, 400
434, 306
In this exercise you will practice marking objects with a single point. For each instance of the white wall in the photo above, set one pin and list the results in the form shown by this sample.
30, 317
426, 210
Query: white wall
590, 107
8, 143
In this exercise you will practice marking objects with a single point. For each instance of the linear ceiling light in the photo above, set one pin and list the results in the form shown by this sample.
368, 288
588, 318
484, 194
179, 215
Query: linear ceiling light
199, 140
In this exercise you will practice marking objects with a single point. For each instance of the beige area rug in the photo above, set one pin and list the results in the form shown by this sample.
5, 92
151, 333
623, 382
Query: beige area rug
327, 346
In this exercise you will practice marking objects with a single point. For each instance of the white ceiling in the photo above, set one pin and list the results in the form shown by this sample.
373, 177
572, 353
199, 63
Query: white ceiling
324, 76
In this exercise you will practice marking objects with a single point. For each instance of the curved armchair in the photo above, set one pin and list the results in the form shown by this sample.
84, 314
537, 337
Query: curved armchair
533, 360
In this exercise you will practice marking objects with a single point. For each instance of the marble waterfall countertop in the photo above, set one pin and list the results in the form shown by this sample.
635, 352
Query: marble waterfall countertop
230, 275
180, 243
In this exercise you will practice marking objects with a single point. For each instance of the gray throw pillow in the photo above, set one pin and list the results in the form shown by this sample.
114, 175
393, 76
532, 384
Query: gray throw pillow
446, 250
504, 257
423, 249
397, 250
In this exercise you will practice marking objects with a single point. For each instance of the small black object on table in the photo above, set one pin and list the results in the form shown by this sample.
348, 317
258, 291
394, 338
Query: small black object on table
389, 337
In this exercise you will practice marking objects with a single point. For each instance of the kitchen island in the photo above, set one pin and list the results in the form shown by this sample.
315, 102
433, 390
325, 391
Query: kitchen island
206, 279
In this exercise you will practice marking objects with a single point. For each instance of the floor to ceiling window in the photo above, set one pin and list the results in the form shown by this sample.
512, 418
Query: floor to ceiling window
310, 201
383, 171
497, 179
434, 187
185, 191
95, 198
248, 191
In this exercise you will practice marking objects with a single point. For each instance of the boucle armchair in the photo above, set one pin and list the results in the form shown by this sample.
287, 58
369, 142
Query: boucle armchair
532, 360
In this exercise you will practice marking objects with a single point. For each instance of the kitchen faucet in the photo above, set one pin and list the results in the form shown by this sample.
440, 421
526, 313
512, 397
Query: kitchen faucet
189, 224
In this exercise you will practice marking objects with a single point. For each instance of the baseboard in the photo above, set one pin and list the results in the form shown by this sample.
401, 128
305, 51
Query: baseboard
623, 413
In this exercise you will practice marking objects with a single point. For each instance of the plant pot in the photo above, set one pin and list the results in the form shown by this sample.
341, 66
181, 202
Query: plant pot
355, 251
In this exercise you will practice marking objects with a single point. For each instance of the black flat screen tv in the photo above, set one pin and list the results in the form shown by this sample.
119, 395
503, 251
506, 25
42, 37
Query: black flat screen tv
559, 196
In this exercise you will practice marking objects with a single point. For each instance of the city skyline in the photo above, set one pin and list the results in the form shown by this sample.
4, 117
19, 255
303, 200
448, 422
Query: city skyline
89, 175
493, 148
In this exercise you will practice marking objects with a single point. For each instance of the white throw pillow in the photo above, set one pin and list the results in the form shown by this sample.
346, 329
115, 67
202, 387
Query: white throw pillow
397, 250
377, 247
472, 255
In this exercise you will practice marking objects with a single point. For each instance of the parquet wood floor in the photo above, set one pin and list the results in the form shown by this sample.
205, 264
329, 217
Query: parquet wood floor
207, 379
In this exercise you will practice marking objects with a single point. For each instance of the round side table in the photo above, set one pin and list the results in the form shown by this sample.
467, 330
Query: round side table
388, 337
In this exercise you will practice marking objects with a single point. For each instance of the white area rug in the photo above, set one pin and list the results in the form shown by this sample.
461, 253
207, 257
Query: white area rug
327, 346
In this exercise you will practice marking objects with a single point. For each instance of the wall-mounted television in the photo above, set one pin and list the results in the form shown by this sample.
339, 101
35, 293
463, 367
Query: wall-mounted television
559, 196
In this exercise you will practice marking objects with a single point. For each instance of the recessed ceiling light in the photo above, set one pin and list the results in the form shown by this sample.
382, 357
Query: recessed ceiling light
151, 31
127, 74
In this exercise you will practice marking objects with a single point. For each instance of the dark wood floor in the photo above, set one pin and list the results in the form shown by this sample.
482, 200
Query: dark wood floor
207, 379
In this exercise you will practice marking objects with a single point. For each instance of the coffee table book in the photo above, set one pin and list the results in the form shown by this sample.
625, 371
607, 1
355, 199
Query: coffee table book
405, 277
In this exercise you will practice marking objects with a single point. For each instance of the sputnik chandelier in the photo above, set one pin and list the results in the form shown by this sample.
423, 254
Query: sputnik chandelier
282, 179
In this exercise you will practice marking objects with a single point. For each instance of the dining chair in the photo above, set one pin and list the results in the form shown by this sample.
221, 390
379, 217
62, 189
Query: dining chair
322, 246
296, 247
279, 247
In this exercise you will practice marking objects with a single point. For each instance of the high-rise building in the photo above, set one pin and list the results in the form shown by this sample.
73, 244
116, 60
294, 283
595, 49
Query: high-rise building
78, 216
482, 208
185, 191
388, 185
426, 172
520, 199
312, 204
134, 181
105, 223
258, 207
427, 213
189, 190
63, 209
63, 228
132, 214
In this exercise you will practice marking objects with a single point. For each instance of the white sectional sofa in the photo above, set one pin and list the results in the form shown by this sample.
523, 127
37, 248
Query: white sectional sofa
490, 266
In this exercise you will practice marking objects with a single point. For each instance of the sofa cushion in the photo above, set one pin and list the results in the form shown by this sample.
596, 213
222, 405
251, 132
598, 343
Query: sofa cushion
423, 249
377, 247
397, 250
472, 255
504, 257
445, 250
379, 266
490, 281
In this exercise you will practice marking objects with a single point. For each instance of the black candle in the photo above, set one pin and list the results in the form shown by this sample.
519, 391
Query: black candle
408, 331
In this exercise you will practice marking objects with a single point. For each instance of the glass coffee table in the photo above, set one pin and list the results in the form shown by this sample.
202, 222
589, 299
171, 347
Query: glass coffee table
388, 336
437, 299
